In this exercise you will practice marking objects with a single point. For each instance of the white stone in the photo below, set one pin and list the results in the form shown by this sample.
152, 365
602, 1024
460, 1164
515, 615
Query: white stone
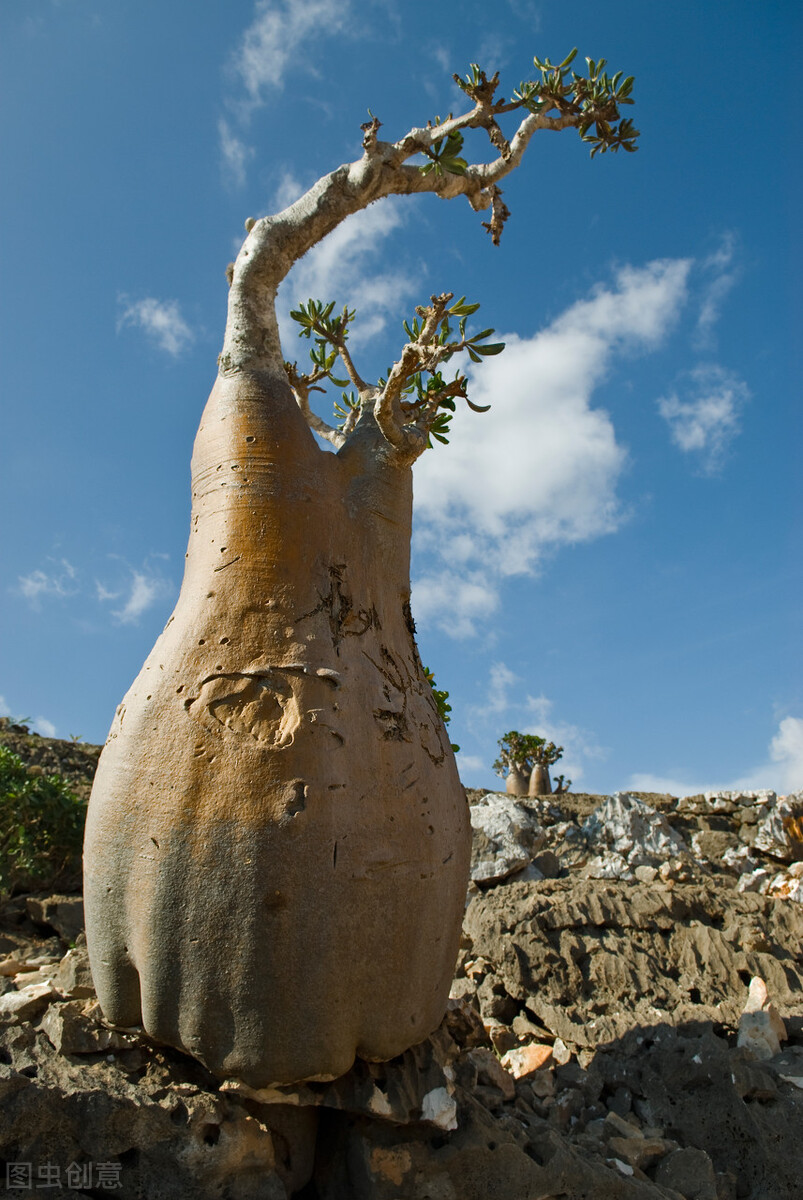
755, 881
27, 1001
626, 826
771, 834
439, 1108
607, 866
513, 835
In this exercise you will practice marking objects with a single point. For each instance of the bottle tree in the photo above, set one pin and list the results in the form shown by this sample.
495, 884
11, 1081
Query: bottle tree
277, 842
524, 757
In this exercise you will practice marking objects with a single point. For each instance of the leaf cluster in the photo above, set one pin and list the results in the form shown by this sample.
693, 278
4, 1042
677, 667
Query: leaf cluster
441, 701
316, 318
525, 751
428, 398
435, 335
444, 155
41, 828
595, 98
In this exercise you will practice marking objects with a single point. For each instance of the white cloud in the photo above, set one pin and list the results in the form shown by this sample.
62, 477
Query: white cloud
541, 469
579, 744
144, 591
530, 714
59, 582
236, 154
161, 321
454, 602
500, 681
707, 420
288, 191
782, 770
721, 277
45, 727
283, 34
336, 269
786, 749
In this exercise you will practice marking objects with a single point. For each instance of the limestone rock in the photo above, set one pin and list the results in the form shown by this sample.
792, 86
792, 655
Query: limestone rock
21, 1005
761, 1029
523, 1061
74, 978
491, 1072
72, 1032
690, 1172
627, 833
779, 829
65, 914
507, 836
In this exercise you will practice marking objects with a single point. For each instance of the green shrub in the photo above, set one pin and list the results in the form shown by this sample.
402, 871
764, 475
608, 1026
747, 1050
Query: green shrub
41, 828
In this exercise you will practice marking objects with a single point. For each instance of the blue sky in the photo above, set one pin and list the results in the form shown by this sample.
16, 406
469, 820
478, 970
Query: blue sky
612, 555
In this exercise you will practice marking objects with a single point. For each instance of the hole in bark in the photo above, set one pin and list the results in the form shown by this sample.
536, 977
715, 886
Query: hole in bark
202, 642
745, 977
224, 641
251, 438
694, 995
30, 1071
334, 855
179, 690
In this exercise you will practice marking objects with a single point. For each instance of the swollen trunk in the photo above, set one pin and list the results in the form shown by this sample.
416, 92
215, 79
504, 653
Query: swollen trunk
277, 842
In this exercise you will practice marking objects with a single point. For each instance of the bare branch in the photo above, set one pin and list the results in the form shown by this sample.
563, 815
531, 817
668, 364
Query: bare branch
301, 386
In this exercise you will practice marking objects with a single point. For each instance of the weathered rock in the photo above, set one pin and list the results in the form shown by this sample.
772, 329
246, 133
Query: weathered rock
65, 914
491, 1072
73, 1032
523, 1061
23, 1004
507, 836
73, 977
775, 831
166, 1131
627, 833
690, 1172
415, 1087
761, 1029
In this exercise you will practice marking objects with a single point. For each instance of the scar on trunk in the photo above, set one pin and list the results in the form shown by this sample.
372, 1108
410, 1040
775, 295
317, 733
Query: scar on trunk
337, 604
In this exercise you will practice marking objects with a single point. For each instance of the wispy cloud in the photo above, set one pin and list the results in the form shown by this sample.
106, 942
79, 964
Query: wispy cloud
720, 273
781, 770
506, 704
45, 727
703, 413
235, 152
141, 590
58, 581
542, 469
455, 600
283, 33
339, 269
160, 320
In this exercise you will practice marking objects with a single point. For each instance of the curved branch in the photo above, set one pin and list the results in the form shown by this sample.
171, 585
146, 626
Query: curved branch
275, 243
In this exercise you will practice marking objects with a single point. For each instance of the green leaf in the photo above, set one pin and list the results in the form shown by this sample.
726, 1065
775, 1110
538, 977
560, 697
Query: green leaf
477, 407
491, 348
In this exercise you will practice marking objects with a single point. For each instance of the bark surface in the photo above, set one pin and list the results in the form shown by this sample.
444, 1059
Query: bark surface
277, 844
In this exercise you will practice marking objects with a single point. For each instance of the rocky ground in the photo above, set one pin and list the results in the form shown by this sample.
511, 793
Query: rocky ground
596, 1045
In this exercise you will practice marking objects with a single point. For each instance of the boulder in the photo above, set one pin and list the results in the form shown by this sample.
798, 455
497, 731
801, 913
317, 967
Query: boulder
624, 833
507, 836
